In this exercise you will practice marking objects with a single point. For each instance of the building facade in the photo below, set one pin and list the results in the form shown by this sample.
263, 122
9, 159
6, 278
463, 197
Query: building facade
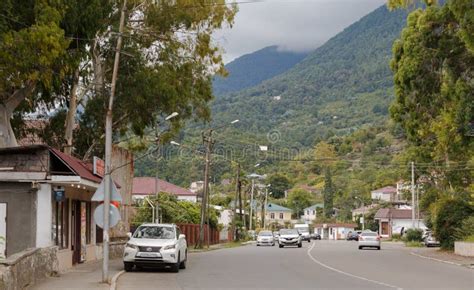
148, 186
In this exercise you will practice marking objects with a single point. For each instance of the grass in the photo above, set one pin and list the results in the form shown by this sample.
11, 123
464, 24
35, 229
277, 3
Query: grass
469, 239
414, 244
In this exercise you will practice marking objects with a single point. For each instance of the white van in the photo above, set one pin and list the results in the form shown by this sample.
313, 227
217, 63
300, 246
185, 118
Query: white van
304, 230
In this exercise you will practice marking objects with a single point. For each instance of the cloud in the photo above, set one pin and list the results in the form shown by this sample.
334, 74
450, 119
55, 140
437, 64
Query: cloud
295, 25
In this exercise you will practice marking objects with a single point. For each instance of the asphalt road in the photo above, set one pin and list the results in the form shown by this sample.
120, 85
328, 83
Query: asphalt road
319, 265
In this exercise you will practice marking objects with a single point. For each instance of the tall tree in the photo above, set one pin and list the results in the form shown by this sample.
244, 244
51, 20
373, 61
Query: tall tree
298, 200
31, 47
279, 184
434, 93
328, 194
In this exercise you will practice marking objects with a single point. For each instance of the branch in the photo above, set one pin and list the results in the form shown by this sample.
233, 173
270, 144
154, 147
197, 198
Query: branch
19, 95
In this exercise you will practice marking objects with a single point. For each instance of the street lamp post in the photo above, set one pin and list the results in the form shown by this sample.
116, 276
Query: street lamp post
363, 212
265, 213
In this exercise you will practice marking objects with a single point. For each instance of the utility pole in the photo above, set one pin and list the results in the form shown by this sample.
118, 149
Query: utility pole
208, 140
108, 149
413, 193
251, 204
265, 209
237, 196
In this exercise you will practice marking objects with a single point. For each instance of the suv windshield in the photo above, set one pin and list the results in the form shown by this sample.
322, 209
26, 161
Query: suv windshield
265, 234
289, 232
154, 232
369, 234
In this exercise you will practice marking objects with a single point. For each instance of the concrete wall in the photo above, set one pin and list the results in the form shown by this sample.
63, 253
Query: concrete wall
21, 215
27, 160
23, 269
464, 249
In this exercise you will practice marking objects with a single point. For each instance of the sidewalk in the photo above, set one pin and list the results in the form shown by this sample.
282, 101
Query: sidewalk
443, 256
83, 276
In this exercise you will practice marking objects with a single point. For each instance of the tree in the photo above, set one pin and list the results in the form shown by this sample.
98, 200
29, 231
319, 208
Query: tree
298, 200
31, 45
279, 184
328, 194
434, 93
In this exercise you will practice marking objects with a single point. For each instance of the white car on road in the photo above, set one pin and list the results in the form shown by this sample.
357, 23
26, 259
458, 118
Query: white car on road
265, 238
156, 245
289, 237
369, 239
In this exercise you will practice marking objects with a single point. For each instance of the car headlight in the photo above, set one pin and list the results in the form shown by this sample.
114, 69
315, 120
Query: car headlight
131, 246
169, 247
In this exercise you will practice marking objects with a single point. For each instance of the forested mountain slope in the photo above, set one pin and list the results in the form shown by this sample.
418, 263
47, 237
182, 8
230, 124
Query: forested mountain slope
341, 86
253, 68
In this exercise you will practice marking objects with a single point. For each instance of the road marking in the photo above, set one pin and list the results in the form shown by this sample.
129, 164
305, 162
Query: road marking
434, 259
345, 273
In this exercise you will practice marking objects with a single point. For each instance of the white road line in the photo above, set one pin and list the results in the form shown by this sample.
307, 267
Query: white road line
434, 259
345, 273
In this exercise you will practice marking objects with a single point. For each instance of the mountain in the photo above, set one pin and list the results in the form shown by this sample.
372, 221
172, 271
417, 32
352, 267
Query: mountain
253, 68
341, 86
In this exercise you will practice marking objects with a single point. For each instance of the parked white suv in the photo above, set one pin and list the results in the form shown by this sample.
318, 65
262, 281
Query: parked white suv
156, 245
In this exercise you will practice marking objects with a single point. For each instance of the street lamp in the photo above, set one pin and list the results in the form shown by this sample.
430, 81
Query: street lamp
175, 143
253, 176
158, 134
265, 213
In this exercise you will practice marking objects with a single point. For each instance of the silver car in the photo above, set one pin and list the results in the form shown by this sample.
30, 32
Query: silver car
289, 237
369, 239
265, 238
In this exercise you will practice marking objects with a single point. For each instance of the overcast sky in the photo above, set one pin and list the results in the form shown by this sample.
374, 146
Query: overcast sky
297, 25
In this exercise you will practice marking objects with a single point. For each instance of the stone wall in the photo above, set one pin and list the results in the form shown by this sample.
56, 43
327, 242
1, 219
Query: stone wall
26, 159
25, 268
464, 249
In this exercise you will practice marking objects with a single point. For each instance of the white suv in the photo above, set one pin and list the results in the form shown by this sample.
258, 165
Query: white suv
155, 245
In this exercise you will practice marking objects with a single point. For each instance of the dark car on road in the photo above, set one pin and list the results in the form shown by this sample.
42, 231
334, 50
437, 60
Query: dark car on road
353, 236
315, 236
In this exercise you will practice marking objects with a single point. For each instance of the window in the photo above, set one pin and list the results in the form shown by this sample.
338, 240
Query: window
272, 215
281, 215
60, 224
307, 212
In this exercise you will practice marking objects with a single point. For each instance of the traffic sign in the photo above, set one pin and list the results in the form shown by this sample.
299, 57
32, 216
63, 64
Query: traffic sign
114, 216
99, 193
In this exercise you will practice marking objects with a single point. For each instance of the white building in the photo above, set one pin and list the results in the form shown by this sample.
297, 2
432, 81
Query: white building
310, 213
387, 193
394, 221
334, 231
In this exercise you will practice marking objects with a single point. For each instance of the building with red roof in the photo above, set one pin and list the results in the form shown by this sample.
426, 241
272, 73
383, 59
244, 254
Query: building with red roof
146, 186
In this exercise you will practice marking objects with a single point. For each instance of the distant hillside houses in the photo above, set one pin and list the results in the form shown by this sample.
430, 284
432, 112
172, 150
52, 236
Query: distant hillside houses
149, 186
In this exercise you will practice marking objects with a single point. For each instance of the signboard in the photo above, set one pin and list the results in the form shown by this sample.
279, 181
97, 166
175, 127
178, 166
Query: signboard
99, 193
59, 194
114, 216
98, 167
361, 219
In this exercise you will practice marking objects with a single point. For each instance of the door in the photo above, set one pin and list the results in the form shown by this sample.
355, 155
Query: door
76, 231
3, 230
384, 228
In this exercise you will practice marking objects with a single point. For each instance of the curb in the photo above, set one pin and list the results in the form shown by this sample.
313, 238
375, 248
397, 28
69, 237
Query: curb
439, 260
113, 282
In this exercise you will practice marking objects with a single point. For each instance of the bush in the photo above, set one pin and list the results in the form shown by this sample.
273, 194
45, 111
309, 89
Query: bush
414, 235
448, 215
396, 237
466, 229
414, 244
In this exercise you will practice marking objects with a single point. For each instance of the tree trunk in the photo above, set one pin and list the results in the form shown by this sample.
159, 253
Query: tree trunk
71, 114
7, 137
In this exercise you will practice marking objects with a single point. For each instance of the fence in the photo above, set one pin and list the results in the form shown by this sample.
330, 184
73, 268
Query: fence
192, 234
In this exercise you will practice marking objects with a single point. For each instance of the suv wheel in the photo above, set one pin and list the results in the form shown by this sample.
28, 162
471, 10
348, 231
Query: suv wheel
182, 265
127, 266
280, 246
175, 266
300, 245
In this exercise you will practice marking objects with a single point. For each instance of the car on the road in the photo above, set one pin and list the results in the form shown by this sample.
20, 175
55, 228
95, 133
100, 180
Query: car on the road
265, 238
156, 245
353, 236
431, 241
289, 237
315, 236
369, 239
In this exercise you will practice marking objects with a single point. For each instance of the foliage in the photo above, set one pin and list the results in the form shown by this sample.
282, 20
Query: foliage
298, 200
466, 229
414, 235
173, 211
278, 185
251, 69
414, 244
448, 215
396, 237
